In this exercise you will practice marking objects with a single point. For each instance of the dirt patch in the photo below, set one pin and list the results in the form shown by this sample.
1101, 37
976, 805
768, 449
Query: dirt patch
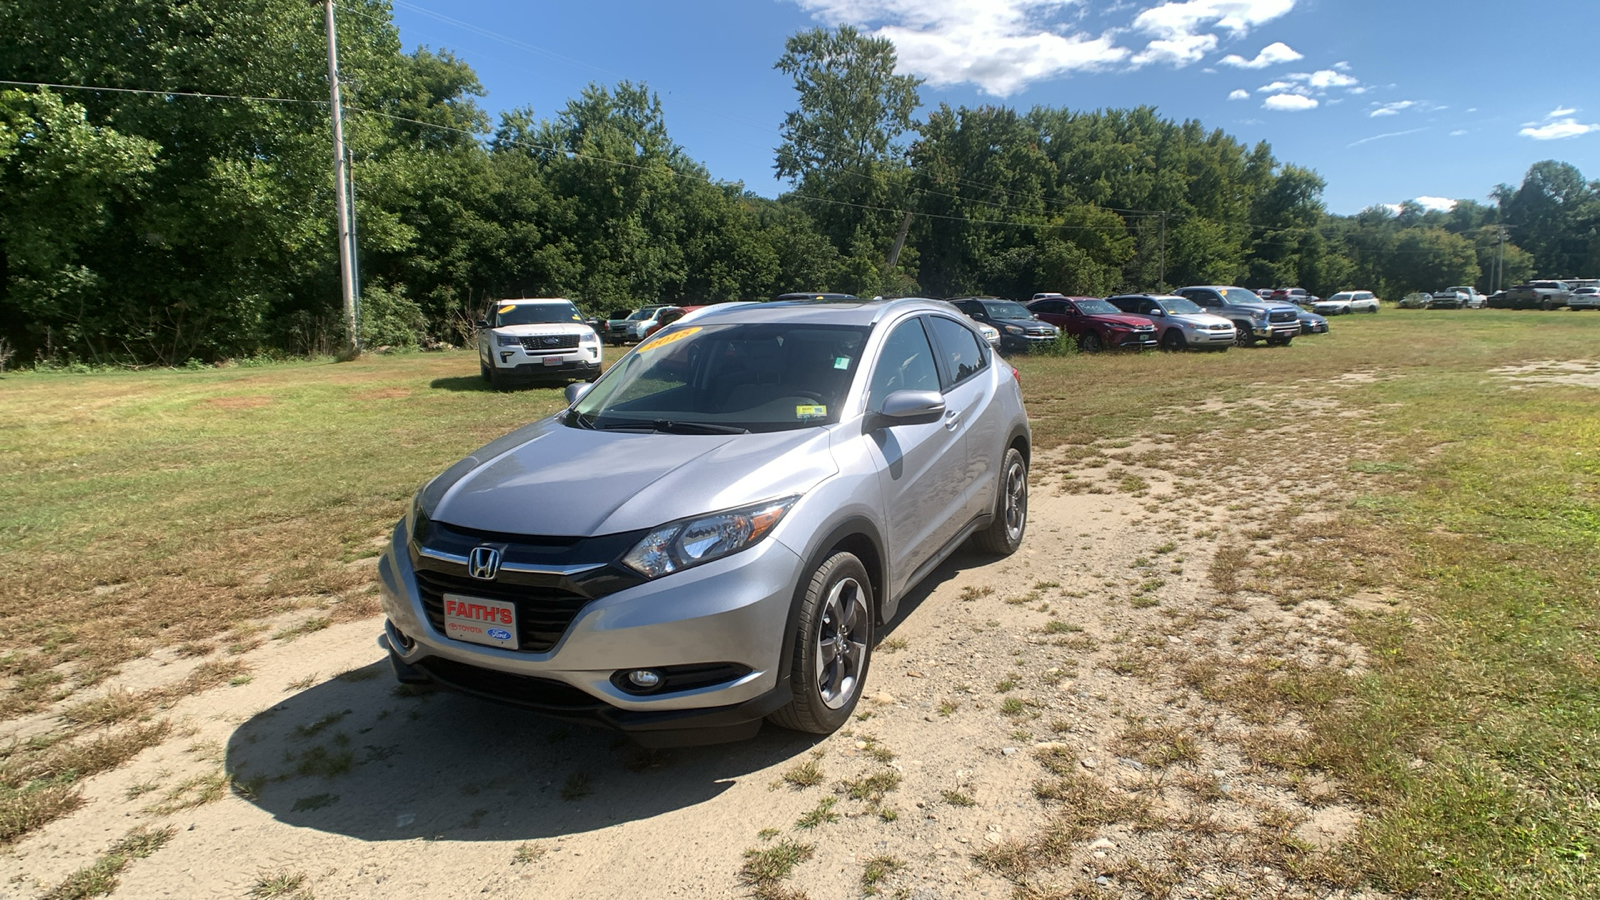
390, 393
1078, 717
1580, 372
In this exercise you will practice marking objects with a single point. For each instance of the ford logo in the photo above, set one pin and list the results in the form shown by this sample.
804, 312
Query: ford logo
500, 634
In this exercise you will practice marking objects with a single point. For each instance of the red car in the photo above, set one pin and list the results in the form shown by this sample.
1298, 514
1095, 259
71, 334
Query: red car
1096, 324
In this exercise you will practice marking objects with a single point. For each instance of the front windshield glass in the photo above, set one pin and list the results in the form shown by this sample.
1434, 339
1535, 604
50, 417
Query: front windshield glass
535, 314
1239, 295
1180, 306
768, 376
1006, 309
647, 313
1096, 308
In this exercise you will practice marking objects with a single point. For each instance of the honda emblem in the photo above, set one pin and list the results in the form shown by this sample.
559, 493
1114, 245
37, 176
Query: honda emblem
483, 563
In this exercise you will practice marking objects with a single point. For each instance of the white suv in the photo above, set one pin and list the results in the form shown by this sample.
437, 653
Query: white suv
536, 340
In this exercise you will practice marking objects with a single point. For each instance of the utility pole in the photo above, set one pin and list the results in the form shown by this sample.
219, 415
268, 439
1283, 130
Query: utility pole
347, 234
1500, 259
1162, 281
899, 244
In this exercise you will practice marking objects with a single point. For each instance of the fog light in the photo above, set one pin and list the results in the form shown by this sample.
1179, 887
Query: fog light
644, 679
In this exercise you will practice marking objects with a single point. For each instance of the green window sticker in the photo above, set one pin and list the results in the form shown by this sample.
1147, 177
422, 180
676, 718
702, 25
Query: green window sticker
841, 362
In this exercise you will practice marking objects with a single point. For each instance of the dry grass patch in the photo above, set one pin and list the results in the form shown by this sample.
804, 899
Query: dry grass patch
100, 878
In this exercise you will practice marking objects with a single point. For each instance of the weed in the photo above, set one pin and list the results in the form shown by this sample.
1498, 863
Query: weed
576, 787
302, 684
872, 788
319, 760
1005, 685
305, 731
946, 707
192, 792
971, 593
875, 870
893, 645
821, 814
764, 868
281, 884
309, 626
804, 775
527, 852
100, 878
956, 798
108, 709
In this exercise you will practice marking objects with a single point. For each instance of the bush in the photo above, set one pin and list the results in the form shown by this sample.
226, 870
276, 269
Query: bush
390, 319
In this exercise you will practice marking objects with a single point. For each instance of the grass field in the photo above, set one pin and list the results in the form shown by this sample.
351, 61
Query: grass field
180, 509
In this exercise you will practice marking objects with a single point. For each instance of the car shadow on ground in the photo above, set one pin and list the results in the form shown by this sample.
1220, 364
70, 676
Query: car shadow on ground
464, 383
362, 756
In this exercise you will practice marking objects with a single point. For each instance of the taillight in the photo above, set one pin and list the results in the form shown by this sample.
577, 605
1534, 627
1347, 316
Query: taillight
1016, 374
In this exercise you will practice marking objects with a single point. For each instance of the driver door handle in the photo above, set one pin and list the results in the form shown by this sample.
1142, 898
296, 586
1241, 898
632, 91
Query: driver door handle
952, 418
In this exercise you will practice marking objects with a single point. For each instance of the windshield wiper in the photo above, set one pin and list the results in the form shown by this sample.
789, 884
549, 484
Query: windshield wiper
670, 427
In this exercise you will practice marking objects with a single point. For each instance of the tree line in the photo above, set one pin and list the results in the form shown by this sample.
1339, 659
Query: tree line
182, 209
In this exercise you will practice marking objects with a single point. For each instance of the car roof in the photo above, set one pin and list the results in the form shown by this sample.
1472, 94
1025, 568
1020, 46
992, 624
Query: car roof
826, 312
532, 301
813, 296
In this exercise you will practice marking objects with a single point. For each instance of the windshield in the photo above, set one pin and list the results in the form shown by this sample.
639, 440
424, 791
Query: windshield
1006, 309
648, 312
1096, 308
1238, 295
1180, 306
768, 376
535, 314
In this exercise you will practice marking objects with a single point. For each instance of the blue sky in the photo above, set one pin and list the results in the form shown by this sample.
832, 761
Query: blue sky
1387, 99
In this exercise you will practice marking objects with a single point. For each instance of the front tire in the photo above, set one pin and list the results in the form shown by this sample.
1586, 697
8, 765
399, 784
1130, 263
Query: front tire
483, 370
832, 647
1173, 341
1004, 534
1242, 336
1090, 342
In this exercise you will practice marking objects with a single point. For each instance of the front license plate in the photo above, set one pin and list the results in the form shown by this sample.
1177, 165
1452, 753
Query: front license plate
481, 621
554, 360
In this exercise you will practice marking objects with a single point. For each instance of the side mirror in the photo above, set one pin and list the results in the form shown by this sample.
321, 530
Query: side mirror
576, 390
1158, 311
483, 323
907, 408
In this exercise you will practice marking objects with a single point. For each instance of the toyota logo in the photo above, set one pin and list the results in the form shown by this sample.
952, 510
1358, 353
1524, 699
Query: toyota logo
483, 563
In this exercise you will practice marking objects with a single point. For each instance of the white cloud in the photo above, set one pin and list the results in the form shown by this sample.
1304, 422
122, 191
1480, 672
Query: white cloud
1180, 50
1390, 134
1001, 46
1239, 95
1183, 31
1289, 103
1561, 128
1278, 87
1391, 109
1393, 208
1442, 204
1560, 112
1270, 55
1328, 78
1458, 132
1236, 16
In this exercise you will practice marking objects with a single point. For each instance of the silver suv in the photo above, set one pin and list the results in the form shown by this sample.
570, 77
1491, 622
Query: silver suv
714, 533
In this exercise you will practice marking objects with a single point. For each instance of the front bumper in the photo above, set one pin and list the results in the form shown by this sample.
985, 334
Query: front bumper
733, 611
1313, 328
1207, 340
579, 364
1137, 340
1010, 343
1275, 330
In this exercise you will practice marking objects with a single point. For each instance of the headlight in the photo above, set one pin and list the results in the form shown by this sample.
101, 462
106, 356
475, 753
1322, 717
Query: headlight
507, 340
1258, 314
590, 338
680, 545
1014, 329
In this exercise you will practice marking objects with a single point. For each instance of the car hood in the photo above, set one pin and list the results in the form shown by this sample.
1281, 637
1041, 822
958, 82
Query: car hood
1310, 316
549, 479
1199, 319
1025, 323
547, 328
1122, 319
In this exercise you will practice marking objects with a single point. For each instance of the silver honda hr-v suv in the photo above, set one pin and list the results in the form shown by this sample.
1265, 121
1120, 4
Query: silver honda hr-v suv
714, 532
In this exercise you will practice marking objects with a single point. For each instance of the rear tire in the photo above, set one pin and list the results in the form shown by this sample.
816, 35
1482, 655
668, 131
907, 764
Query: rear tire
1004, 534
1242, 336
832, 647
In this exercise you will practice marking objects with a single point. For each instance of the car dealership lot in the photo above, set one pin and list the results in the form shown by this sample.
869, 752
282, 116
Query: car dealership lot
223, 524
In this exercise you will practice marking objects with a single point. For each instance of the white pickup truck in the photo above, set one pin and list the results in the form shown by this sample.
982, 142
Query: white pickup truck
1460, 297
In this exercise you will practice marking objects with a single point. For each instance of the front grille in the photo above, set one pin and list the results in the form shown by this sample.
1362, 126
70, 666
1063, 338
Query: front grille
1283, 316
543, 613
550, 342
523, 690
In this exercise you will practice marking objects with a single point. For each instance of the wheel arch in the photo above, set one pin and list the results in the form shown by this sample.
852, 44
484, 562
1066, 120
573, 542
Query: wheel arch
856, 535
